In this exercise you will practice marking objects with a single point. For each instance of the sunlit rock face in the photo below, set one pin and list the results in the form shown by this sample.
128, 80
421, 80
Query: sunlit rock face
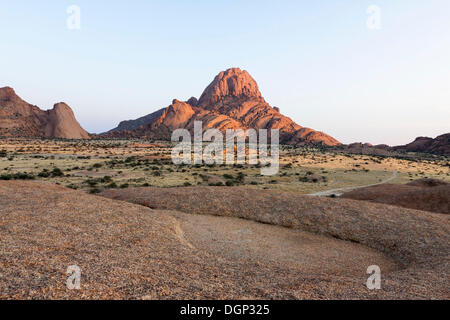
231, 101
21, 119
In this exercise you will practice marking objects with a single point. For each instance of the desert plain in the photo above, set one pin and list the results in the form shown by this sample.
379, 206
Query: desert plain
140, 227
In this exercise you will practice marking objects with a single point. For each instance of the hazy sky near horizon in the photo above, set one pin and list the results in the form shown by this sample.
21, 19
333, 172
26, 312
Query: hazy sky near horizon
316, 60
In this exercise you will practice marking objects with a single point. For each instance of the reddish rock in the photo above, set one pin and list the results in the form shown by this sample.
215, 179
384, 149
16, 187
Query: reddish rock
231, 101
425, 194
21, 119
192, 101
232, 83
440, 145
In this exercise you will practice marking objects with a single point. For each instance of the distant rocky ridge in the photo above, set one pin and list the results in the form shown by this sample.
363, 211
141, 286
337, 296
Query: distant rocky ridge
21, 119
134, 124
231, 101
439, 146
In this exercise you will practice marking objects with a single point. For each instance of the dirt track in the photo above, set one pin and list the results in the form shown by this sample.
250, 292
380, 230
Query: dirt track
340, 191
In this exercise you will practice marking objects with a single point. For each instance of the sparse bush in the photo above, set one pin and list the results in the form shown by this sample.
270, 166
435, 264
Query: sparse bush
217, 184
112, 185
44, 173
91, 182
106, 179
240, 177
17, 176
57, 172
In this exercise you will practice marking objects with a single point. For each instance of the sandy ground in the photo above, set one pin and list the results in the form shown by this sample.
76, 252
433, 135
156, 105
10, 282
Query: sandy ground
151, 165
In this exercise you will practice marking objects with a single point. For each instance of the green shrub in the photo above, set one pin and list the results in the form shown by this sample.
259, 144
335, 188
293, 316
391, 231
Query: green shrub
112, 185
57, 172
17, 176
44, 173
94, 190
240, 177
106, 179
91, 182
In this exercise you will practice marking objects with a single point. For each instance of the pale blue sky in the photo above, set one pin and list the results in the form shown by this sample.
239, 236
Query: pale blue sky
315, 60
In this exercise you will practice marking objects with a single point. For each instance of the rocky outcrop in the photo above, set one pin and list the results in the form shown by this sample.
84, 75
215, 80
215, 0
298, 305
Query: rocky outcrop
424, 194
193, 101
134, 124
231, 101
440, 145
61, 123
229, 85
21, 119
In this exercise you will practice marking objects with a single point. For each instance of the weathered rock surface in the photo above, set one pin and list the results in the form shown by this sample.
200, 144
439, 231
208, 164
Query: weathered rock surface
418, 240
424, 194
439, 145
231, 101
307, 247
21, 119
